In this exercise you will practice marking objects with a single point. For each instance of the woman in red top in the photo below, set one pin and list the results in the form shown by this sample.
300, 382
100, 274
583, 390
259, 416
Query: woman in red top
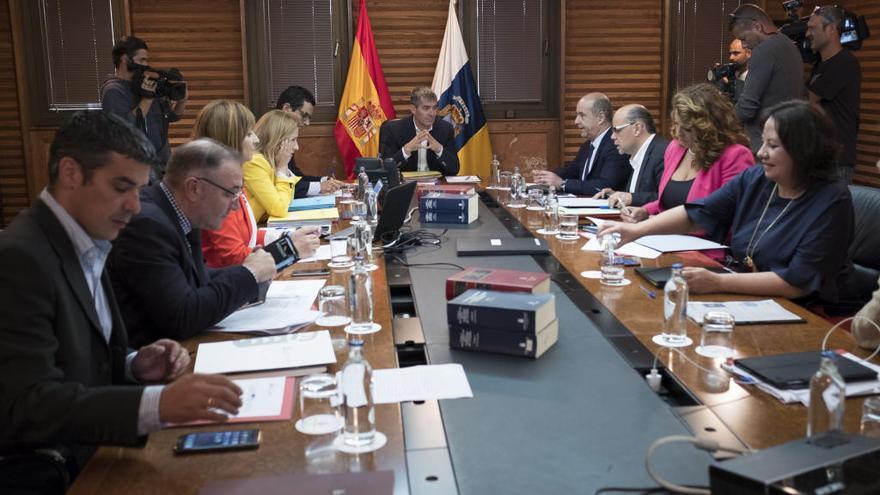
709, 150
232, 124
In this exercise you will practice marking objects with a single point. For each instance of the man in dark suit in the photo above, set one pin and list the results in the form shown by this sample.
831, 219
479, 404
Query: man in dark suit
598, 164
635, 134
67, 379
158, 272
422, 141
299, 102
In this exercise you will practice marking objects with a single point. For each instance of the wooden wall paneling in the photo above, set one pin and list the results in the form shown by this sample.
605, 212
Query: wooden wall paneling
14, 192
526, 143
614, 48
201, 38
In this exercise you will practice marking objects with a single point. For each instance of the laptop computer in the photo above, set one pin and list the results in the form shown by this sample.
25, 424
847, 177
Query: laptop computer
394, 208
493, 246
794, 370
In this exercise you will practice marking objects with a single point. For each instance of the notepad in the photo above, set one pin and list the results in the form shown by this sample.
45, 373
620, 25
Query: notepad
278, 352
744, 312
463, 179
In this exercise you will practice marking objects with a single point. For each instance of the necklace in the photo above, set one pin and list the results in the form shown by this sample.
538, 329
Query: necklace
750, 250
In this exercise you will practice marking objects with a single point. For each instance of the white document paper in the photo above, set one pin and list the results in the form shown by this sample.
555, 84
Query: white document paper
323, 253
676, 242
598, 222
592, 244
427, 382
589, 211
744, 312
261, 396
288, 305
582, 202
462, 179
628, 249
266, 353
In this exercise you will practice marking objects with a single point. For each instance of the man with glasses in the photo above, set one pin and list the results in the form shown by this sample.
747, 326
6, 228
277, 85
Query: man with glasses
835, 82
775, 69
159, 276
300, 102
634, 133
598, 165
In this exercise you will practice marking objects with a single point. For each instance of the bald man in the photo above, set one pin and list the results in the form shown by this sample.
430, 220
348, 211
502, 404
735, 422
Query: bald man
598, 165
634, 133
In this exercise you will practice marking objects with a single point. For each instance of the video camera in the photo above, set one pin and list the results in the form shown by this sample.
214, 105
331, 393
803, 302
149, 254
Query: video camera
719, 73
148, 82
853, 31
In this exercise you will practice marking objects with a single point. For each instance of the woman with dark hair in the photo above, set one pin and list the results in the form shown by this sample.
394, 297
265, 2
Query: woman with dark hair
789, 221
708, 150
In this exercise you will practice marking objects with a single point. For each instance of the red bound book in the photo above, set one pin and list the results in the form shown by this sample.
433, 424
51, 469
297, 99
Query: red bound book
496, 279
463, 189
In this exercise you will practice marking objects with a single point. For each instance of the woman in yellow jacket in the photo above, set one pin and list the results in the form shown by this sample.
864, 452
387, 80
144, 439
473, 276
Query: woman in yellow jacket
268, 182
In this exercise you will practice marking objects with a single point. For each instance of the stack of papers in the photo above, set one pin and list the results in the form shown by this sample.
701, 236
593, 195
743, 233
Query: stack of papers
583, 202
581, 211
744, 312
628, 249
304, 218
463, 179
313, 203
287, 306
421, 175
803, 395
427, 382
289, 354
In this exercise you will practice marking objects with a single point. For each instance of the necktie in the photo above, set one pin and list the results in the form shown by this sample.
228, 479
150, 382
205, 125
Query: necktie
586, 169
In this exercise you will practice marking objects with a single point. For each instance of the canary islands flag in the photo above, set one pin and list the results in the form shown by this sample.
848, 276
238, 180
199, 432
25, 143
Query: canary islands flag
459, 104
365, 102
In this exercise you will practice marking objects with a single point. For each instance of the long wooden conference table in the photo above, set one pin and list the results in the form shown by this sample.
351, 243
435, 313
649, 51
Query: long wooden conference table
579, 418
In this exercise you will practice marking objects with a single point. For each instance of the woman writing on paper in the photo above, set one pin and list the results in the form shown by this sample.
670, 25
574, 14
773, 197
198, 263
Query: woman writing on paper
232, 124
790, 221
709, 150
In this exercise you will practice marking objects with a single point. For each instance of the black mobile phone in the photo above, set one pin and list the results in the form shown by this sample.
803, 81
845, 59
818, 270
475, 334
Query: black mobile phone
310, 273
283, 251
207, 441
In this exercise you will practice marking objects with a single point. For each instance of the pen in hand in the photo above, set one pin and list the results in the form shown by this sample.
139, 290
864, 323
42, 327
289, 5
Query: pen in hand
623, 208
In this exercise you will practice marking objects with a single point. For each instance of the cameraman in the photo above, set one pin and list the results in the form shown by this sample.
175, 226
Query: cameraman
775, 69
151, 115
835, 82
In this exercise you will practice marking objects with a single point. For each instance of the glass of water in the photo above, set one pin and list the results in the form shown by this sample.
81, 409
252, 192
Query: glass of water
612, 271
536, 198
716, 337
871, 417
333, 306
568, 227
319, 405
551, 218
339, 256
504, 191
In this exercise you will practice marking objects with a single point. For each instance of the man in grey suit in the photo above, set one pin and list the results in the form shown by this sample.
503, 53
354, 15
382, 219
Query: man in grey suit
635, 134
68, 381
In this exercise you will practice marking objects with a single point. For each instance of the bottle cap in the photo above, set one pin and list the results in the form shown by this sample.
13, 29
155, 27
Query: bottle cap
356, 343
830, 355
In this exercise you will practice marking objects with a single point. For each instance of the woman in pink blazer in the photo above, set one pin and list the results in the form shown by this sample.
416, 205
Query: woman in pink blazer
710, 148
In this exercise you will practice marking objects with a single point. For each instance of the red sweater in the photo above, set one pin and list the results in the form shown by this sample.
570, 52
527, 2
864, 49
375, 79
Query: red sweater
231, 243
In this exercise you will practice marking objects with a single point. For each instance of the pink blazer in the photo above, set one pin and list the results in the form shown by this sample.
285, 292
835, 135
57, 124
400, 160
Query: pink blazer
733, 160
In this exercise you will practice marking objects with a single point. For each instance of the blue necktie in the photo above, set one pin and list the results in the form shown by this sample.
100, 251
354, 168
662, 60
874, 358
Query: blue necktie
587, 163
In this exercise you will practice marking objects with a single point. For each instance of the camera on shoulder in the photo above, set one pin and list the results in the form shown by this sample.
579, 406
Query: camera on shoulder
149, 82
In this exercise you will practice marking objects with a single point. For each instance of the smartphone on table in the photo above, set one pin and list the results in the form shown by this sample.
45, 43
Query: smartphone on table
209, 441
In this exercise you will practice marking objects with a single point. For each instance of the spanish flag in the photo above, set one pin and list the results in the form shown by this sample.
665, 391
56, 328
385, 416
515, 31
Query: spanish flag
459, 102
365, 102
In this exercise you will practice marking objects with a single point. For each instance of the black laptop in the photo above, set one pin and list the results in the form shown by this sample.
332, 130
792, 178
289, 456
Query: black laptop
394, 207
794, 370
494, 246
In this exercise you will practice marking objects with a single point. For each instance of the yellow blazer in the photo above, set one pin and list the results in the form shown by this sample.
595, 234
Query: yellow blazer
268, 193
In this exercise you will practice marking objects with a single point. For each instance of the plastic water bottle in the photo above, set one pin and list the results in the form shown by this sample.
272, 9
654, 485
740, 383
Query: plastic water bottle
675, 299
357, 394
827, 394
363, 184
495, 165
551, 213
360, 288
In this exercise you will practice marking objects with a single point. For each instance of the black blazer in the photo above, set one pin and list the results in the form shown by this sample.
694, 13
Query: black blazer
610, 169
648, 182
301, 189
160, 278
395, 133
59, 378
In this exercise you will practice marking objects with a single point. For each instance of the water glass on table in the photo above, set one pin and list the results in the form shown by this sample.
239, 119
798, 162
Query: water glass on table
536, 199
319, 405
568, 227
339, 254
504, 191
610, 266
332, 306
716, 337
871, 417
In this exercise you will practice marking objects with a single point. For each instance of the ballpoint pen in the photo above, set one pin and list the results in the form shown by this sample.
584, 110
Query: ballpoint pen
648, 292
623, 208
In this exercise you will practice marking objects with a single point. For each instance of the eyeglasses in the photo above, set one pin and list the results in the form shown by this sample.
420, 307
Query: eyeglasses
617, 128
231, 194
306, 116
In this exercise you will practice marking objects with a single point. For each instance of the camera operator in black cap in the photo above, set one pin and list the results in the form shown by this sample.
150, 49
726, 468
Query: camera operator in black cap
152, 115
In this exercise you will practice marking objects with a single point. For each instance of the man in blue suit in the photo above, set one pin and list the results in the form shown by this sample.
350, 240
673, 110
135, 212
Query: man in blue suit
598, 164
